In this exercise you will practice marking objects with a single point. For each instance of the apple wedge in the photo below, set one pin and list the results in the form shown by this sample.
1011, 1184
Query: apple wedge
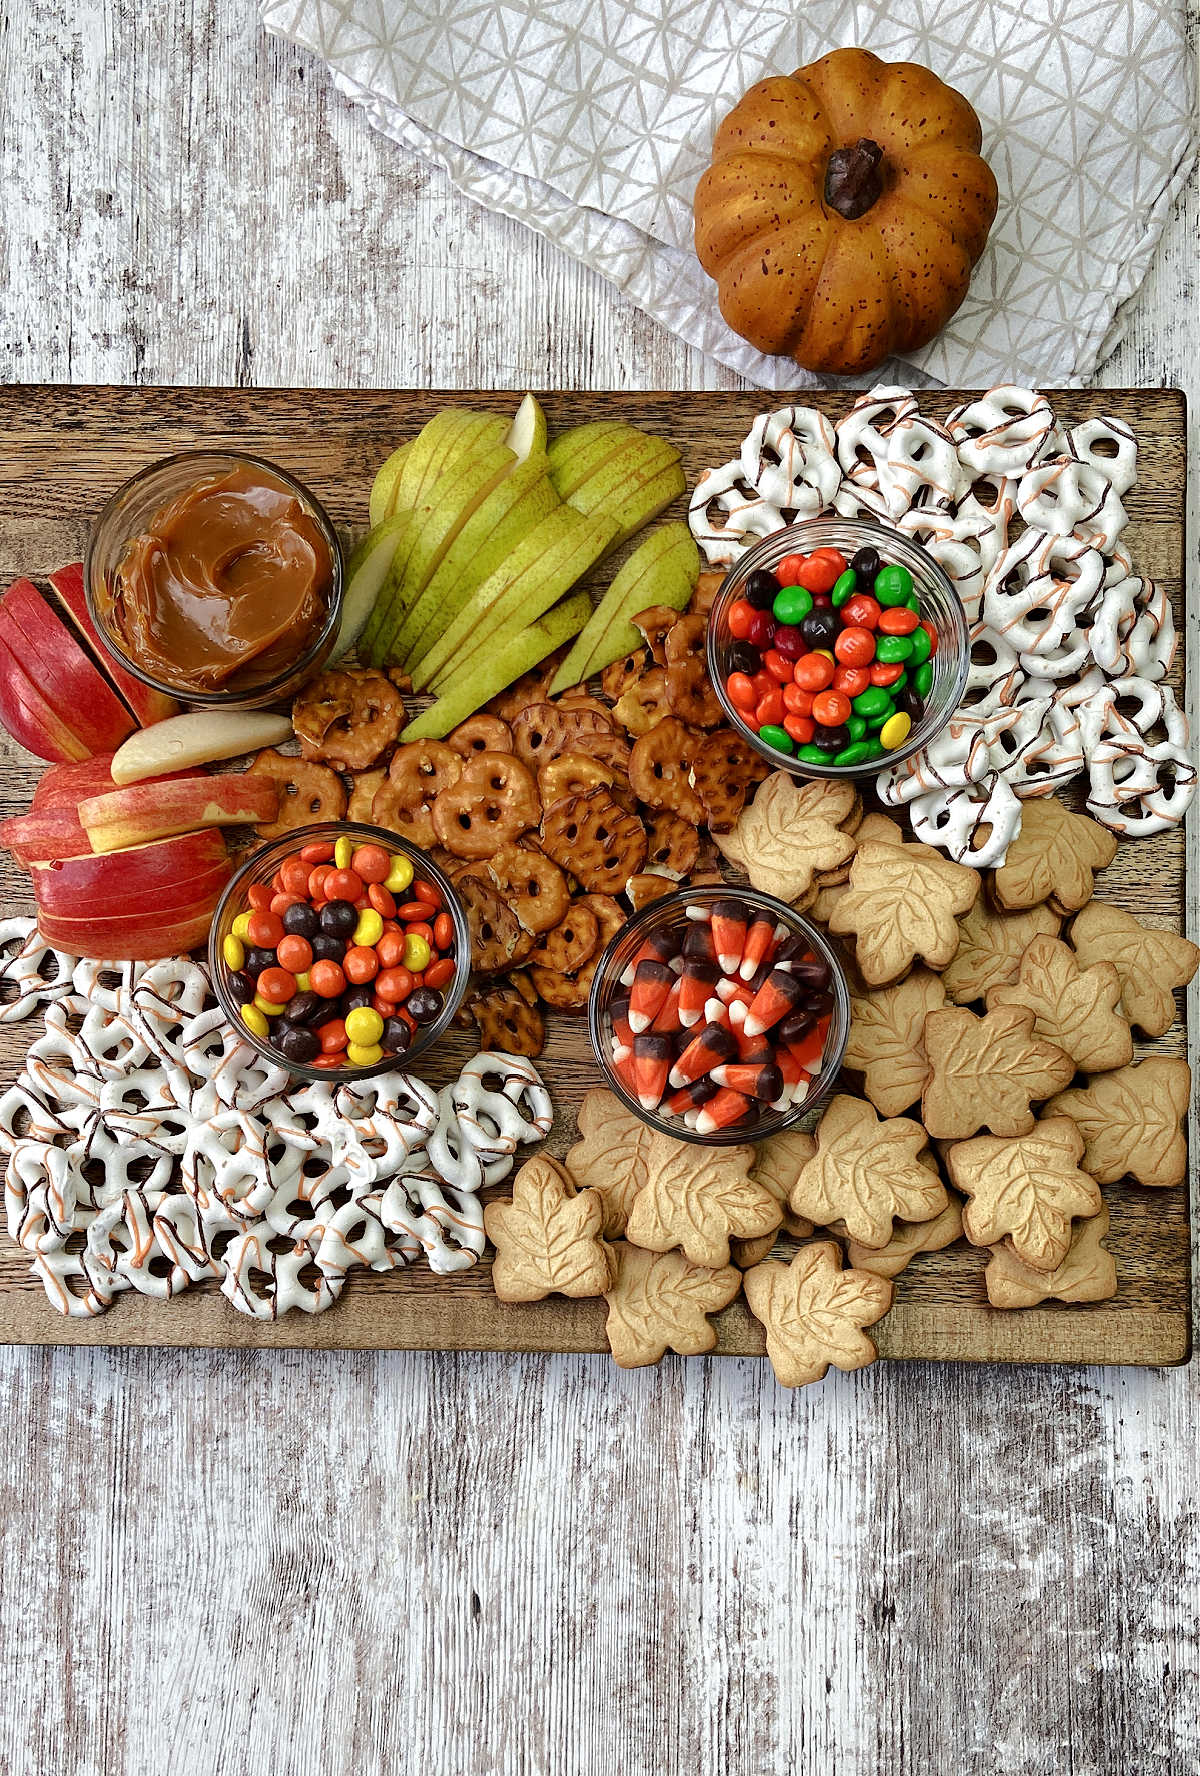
662, 570
148, 705
499, 667
61, 668
537, 573
31, 721
366, 571
520, 503
455, 497
382, 503
164, 805
44, 835
196, 738
125, 940
163, 873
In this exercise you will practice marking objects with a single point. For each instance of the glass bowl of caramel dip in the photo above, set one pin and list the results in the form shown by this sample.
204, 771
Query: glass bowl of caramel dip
216, 577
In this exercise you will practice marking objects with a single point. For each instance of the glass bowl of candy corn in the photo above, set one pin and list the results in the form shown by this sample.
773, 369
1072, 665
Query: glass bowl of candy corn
719, 1015
339, 951
838, 647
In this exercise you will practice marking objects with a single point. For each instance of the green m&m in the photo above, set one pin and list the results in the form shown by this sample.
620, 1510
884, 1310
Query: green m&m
893, 585
779, 738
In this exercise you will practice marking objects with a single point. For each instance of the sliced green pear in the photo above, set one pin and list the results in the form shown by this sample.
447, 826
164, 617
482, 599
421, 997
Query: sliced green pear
366, 571
456, 495
662, 570
542, 567
493, 530
632, 490
453, 433
383, 488
526, 436
499, 667
574, 454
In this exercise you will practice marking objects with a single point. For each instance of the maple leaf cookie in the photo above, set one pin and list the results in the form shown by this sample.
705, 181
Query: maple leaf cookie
903, 902
1029, 1188
867, 1173
987, 1072
1073, 1007
1131, 1120
814, 1312
659, 1302
1151, 963
547, 1238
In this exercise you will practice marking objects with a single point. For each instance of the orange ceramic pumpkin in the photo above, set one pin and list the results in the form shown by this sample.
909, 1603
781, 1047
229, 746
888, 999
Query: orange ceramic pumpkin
844, 209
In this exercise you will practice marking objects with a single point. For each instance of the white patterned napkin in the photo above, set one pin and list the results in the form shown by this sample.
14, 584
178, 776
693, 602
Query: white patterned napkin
591, 120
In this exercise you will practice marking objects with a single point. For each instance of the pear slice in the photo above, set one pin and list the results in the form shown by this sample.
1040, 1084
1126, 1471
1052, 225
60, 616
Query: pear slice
496, 526
450, 434
498, 667
366, 571
456, 495
526, 436
632, 487
383, 488
574, 454
538, 571
662, 570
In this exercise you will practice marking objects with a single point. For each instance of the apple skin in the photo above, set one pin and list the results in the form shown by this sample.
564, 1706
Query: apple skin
148, 706
44, 835
142, 879
72, 684
63, 786
26, 715
120, 940
160, 806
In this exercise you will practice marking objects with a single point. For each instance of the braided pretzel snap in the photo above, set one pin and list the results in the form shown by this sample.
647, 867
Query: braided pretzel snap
494, 801
32, 972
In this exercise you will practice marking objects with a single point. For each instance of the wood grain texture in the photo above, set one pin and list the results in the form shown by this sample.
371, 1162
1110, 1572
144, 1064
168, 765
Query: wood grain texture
66, 450
224, 1564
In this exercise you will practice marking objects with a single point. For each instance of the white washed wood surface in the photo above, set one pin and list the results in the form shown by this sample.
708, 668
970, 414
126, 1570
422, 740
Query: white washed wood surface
344, 1565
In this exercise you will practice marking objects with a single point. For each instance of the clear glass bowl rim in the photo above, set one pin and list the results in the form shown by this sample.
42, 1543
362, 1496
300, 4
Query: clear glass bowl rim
314, 654
659, 911
272, 851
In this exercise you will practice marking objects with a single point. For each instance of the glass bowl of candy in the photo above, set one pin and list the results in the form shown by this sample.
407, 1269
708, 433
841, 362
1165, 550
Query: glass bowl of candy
838, 647
719, 1015
339, 951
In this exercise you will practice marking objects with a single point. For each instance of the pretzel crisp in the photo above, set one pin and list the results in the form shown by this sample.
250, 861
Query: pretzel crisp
481, 733
506, 1020
596, 839
348, 717
307, 792
495, 928
494, 801
724, 768
689, 688
574, 773
570, 943
654, 623
659, 768
530, 883
644, 703
617, 678
544, 730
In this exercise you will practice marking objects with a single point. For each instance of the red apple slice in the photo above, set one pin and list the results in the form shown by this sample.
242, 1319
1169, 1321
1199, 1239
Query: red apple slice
144, 877
44, 835
71, 682
26, 715
61, 903
117, 940
148, 706
163, 805
62, 786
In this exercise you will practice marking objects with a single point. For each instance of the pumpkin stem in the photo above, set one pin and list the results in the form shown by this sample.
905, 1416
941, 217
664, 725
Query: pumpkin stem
852, 179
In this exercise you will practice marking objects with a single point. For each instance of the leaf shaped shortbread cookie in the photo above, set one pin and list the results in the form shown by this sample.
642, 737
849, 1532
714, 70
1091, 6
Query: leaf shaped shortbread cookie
903, 902
1073, 1007
1130, 1121
547, 1238
777, 1162
1054, 857
611, 1156
814, 1312
878, 829
909, 1239
660, 1302
985, 1072
697, 1198
867, 1173
1151, 963
990, 946
1028, 1187
884, 1043
789, 831
1087, 1273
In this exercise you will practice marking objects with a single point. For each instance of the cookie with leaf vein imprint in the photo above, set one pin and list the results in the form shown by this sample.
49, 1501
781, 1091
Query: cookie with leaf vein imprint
1054, 858
1087, 1273
987, 1072
1131, 1121
547, 1238
1028, 1187
1075, 1008
909, 1239
814, 1312
903, 903
658, 1301
991, 943
885, 1038
789, 832
1151, 963
698, 1198
867, 1173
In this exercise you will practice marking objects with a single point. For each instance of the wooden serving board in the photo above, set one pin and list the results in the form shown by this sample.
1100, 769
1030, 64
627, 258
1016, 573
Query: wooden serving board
64, 450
